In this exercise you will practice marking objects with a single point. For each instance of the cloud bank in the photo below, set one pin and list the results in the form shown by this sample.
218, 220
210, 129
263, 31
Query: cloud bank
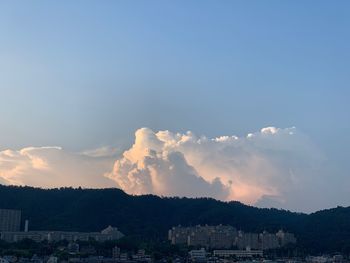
52, 167
271, 167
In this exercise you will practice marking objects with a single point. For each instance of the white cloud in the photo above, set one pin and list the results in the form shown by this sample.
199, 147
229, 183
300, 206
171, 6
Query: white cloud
102, 152
264, 166
272, 167
52, 167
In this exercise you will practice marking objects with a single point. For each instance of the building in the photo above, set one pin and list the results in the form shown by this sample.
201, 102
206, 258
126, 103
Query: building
37, 236
116, 252
198, 255
204, 236
2, 260
110, 233
141, 256
269, 241
222, 239
285, 238
124, 257
318, 259
199, 236
179, 235
237, 253
245, 240
10, 220
226, 237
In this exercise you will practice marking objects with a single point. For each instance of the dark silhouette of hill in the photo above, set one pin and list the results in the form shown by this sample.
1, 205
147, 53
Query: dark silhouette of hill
148, 217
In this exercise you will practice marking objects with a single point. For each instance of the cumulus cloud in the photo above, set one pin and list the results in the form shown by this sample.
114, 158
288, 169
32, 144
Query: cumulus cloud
263, 168
272, 167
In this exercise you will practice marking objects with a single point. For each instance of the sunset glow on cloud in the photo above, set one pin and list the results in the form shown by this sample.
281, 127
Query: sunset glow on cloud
264, 168
52, 167
248, 169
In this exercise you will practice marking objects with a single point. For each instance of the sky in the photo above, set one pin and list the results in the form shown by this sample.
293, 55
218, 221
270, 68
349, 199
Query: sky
235, 100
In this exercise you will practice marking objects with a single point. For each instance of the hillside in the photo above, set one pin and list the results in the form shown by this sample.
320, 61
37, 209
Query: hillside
149, 217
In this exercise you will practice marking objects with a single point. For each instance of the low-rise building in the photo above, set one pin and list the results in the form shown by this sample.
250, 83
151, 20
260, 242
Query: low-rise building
248, 253
198, 255
116, 252
110, 233
318, 259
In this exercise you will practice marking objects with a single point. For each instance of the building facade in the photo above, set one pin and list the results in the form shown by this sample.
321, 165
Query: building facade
110, 233
10, 220
245, 240
238, 253
226, 237
220, 236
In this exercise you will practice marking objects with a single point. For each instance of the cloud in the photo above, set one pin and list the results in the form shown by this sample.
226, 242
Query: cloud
165, 175
272, 167
264, 167
102, 152
52, 167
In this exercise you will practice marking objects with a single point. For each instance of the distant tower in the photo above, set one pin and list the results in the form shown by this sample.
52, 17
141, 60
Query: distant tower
26, 225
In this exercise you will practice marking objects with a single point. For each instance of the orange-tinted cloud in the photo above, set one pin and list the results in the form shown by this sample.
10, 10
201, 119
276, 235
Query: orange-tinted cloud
274, 166
228, 167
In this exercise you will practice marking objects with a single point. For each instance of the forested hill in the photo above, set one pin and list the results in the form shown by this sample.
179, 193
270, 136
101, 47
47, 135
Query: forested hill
149, 217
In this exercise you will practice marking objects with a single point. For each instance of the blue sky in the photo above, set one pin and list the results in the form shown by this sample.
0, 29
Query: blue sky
85, 74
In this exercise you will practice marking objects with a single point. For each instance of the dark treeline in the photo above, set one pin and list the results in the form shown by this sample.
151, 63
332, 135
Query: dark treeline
149, 217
